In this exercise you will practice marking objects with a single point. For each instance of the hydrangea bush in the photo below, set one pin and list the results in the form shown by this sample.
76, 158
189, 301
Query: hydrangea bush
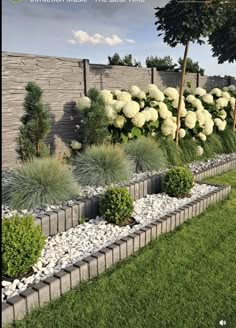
150, 112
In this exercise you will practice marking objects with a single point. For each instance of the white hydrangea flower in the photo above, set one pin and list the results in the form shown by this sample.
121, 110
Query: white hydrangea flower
202, 136
216, 91
163, 111
197, 104
151, 88
225, 95
169, 128
141, 95
232, 102
157, 95
116, 92
142, 104
207, 115
190, 120
208, 127
183, 111
153, 103
221, 103
133, 90
222, 126
200, 92
124, 96
199, 151
147, 114
174, 119
208, 98
138, 120
232, 88
201, 118
119, 121
118, 105
171, 93
223, 114
182, 133
84, 102
154, 114
190, 98
75, 145
130, 109
110, 112
217, 121
107, 96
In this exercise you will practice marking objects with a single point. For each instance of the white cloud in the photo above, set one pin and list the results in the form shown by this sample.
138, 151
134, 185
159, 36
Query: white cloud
83, 37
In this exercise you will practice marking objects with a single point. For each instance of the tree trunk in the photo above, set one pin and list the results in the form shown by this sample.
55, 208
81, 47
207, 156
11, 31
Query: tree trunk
181, 91
234, 118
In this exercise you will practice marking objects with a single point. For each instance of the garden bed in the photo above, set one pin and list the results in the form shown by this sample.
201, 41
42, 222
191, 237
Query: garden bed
120, 244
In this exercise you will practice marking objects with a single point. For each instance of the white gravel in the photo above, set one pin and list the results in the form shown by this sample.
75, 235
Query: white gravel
73, 245
89, 191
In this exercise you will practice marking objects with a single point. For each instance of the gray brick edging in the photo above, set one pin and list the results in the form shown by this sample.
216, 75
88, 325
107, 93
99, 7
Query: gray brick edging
70, 277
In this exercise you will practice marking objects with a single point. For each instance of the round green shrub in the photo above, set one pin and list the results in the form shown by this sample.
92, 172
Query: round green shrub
102, 165
22, 244
116, 205
40, 182
178, 182
146, 154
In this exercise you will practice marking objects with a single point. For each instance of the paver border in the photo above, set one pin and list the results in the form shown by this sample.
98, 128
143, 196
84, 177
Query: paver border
61, 282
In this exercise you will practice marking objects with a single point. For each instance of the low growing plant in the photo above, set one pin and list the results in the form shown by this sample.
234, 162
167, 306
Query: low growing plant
102, 165
116, 206
146, 154
22, 244
40, 182
178, 182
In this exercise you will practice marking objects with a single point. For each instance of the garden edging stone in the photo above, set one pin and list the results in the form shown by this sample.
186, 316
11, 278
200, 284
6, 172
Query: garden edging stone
68, 278
69, 216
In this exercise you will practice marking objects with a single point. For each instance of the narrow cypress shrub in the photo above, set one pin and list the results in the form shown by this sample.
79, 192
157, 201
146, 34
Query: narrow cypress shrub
35, 125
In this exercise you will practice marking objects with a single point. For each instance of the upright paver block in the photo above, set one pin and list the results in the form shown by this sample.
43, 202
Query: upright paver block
88, 208
148, 235
43, 292
94, 200
129, 245
142, 241
158, 225
61, 220
132, 191
115, 252
68, 215
145, 188
19, 306
7, 314
38, 222
153, 229
64, 281
141, 189
177, 217
135, 241
81, 210
53, 224
31, 298
149, 186
122, 247
74, 273
108, 256
75, 214
136, 191
54, 287
93, 266
45, 224
83, 269
163, 225
168, 219
101, 263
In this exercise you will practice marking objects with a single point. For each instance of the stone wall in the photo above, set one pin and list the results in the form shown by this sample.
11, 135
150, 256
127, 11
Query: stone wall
63, 81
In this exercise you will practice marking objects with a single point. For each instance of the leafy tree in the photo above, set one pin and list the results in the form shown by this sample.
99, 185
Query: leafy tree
223, 38
191, 66
35, 125
182, 23
161, 63
127, 60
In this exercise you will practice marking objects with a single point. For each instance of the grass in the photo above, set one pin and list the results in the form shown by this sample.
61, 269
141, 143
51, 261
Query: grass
184, 279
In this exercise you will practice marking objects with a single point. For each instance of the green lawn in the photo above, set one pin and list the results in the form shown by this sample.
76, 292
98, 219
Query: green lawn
184, 279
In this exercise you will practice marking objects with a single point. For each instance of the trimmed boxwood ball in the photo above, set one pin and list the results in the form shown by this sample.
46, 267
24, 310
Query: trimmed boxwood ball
22, 244
178, 182
116, 205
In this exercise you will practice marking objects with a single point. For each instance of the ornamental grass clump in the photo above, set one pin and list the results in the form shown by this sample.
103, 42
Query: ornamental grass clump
116, 206
228, 139
40, 182
171, 151
22, 244
102, 165
146, 154
178, 182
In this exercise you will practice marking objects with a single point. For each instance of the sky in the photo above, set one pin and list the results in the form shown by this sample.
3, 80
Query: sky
94, 29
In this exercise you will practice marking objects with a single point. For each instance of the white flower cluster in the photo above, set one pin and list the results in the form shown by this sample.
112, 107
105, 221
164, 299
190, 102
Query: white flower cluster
84, 102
